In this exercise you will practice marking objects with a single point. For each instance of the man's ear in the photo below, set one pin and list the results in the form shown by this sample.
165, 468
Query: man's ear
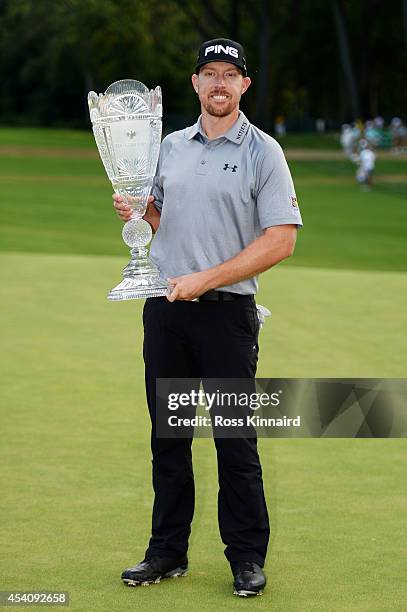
194, 79
246, 84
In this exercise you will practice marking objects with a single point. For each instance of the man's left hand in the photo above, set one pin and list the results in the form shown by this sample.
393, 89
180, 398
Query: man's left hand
189, 286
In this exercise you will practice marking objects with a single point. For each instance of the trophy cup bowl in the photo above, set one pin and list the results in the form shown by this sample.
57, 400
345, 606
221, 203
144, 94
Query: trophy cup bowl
127, 125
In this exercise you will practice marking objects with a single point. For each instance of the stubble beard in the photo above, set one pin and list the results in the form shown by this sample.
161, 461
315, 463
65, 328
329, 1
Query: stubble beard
220, 112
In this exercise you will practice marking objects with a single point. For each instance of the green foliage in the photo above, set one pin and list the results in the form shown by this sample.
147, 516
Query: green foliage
53, 53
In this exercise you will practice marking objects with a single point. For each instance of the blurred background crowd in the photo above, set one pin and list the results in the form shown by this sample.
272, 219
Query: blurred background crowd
377, 134
360, 140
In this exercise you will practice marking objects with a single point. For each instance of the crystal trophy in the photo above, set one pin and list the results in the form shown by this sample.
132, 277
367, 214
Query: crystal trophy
127, 125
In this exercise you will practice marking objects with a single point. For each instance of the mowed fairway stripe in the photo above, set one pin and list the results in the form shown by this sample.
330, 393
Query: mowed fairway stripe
86, 152
63, 152
76, 494
92, 180
43, 178
333, 323
349, 180
325, 322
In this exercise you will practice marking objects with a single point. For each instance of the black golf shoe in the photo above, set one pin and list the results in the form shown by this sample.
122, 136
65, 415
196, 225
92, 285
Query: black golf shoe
249, 578
151, 571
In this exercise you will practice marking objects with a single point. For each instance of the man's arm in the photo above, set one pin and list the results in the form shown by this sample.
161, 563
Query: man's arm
273, 246
152, 215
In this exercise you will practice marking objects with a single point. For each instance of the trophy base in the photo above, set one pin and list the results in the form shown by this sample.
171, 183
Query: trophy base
135, 288
141, 279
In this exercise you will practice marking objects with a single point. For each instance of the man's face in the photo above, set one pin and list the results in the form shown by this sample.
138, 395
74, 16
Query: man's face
220, 86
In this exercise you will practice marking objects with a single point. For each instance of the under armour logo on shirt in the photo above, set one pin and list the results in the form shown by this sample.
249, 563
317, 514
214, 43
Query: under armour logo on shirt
227, 167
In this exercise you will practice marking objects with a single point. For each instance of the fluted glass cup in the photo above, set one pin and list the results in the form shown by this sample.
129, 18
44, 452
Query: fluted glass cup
126, 122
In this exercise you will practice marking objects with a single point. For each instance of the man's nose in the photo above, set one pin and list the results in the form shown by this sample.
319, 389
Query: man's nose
219, 78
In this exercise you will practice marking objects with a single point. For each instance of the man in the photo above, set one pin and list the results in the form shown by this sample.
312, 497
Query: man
366, 164
347, 140
224, 208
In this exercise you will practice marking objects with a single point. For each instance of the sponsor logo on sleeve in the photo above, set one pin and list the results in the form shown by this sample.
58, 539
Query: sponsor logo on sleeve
294, 202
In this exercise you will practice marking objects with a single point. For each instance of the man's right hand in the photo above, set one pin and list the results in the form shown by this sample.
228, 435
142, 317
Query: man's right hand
124, 210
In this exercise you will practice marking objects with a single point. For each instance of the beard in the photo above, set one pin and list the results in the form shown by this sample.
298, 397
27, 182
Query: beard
221, 110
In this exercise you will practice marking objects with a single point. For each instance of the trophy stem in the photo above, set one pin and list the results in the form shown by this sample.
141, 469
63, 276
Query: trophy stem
141, 278
139, 263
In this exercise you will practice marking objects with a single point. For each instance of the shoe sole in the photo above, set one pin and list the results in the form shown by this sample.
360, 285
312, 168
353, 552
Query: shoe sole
179, 572
244, 593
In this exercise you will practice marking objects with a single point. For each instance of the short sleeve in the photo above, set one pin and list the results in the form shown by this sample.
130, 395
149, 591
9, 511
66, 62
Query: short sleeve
157, 189
274, 190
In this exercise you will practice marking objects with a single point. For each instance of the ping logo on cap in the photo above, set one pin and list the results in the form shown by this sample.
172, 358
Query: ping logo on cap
221, 49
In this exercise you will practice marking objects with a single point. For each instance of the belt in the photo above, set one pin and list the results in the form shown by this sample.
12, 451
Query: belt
220, 296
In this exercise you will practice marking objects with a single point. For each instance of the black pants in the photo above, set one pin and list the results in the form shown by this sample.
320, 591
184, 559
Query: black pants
204, 340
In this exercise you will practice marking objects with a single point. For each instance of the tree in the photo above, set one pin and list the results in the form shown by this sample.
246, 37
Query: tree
345, 57
307, 58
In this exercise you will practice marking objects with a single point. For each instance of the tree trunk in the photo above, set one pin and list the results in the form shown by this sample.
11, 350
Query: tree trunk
405, 21
344, 54
365, 76
235, 19
262, 115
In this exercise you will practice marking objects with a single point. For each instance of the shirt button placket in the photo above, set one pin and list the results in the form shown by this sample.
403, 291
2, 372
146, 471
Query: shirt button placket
203, 162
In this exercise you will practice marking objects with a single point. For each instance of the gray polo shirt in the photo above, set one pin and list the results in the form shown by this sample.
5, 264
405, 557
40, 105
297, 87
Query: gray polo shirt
216, 196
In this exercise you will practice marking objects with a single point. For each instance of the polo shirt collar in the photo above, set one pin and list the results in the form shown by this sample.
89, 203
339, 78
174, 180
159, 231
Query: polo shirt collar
238, 130
235, 134
193, 130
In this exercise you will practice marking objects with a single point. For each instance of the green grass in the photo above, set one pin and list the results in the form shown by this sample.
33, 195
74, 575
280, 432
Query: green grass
38, 137
63, 205
33, 136
338, 169
310, 140
344, 228
75, 461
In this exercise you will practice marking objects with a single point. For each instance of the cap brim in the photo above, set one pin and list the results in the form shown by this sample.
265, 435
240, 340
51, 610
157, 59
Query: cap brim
209, 61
